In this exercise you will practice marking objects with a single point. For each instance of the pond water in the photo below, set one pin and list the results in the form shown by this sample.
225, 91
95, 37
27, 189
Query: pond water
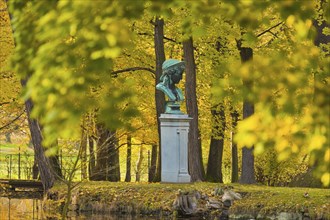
30, 209
20, 209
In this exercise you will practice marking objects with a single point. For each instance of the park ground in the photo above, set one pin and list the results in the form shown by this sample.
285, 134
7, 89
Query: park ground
157, 198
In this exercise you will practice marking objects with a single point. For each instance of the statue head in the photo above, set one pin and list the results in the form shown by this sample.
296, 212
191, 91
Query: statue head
173, 69
171, 75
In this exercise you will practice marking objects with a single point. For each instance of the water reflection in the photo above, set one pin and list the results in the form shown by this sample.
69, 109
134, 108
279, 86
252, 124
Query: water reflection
19, 209
13, 209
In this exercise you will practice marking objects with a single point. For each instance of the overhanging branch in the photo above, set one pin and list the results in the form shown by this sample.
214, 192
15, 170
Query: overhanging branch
269, 29
15, 119
132, 69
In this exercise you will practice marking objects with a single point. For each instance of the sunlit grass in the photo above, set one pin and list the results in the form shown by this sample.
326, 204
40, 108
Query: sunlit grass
160, 196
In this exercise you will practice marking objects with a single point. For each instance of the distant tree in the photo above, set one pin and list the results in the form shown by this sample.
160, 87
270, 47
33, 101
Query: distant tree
128, 159
153, 163
234, 154
159, 96
83, 147
247, 175
214, 165
195, 161
139, 162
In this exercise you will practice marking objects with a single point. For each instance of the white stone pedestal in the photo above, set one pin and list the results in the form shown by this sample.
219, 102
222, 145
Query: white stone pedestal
174, 148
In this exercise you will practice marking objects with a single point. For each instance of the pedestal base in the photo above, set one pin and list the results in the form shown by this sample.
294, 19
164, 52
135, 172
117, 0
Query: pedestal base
174, 148
184, 178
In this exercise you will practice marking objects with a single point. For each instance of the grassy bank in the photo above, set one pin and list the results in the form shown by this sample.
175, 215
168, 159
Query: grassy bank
155, 198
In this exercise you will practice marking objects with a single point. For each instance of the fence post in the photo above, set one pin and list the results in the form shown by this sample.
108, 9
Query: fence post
19, 163
61, 156
148, 163
10, 157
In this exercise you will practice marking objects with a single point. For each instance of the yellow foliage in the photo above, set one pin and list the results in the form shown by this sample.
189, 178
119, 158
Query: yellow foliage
316, 142
327, 156
326, 179
281, 145
290, 20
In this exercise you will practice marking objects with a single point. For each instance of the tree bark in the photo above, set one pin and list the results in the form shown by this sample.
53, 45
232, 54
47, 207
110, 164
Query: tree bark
8, 137
91, 145
128, 159
153, 164
214, 165
83, 146
46, 175
139, 165
92, 162
234, 152
195, 161
54, 161
320, 37
159, 96
35, 170
113, 159
247, 176
101, 153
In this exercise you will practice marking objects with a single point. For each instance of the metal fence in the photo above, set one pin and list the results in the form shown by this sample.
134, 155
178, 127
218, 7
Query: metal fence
16, 166
20, 166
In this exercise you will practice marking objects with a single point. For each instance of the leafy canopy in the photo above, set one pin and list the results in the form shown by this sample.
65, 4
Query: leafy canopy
66, 51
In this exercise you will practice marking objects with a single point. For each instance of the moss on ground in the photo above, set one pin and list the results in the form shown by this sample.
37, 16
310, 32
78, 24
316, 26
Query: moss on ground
158, 197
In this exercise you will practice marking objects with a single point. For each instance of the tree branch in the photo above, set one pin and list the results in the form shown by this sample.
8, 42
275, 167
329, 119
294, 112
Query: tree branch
144, 34
115, 73
170, 39
269, 29
4, 103
150, 35
15, 119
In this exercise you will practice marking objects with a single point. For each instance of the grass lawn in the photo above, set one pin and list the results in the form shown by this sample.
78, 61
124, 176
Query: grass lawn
158, 196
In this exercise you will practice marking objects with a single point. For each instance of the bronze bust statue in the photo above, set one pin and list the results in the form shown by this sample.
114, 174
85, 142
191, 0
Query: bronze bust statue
172, 74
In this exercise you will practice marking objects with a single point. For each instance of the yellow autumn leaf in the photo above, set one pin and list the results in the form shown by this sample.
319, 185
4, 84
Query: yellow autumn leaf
326, 179
317, 142
258, 149
281, 145
290, 20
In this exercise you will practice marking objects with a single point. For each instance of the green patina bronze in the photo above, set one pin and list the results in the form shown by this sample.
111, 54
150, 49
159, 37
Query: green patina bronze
172, 74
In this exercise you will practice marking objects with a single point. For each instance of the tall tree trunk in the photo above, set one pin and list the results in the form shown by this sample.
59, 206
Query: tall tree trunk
128, 159
83, 146
139, 165
195, 160
159, 96
247, 176
92, 161
153, 164
54, 161
35, 170
113, 159
214, 165
91, 145
8, 137
234, 152
46, 175
102, 153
